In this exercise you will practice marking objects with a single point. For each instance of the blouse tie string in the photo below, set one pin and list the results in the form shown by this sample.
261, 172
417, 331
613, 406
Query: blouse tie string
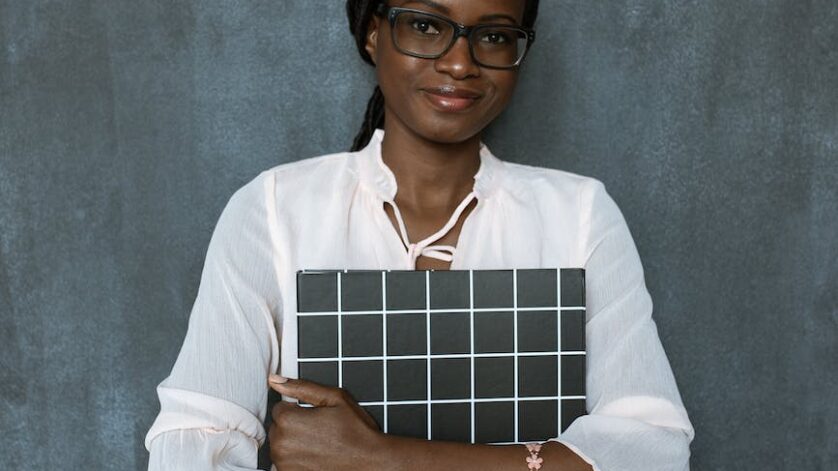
423, 247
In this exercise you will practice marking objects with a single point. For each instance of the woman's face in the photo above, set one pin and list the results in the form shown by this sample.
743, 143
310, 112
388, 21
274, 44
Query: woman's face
403, 79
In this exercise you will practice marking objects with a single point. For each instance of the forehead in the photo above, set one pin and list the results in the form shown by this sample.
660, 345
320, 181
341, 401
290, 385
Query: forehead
472, 11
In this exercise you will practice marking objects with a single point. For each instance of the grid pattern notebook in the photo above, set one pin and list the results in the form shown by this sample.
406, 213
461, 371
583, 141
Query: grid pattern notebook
478, 356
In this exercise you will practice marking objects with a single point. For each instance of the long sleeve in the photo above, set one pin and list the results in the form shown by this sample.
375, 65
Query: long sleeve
213, 403
636, 419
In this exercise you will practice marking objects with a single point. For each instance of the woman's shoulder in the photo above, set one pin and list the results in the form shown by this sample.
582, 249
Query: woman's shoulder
315, 167
321, 174
549, 174
554, 184
559, 192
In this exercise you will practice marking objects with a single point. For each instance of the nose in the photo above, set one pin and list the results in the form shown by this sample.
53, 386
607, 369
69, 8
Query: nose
457, 61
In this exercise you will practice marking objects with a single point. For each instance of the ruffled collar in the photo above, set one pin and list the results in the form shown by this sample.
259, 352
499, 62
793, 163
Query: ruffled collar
377, 176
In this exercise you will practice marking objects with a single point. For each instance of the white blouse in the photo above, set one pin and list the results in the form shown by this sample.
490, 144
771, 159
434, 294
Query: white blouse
327, 212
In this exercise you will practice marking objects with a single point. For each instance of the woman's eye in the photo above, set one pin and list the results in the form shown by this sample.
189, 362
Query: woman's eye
424, 26
496, 38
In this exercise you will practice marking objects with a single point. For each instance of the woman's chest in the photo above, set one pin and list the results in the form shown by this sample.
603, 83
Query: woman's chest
360, 234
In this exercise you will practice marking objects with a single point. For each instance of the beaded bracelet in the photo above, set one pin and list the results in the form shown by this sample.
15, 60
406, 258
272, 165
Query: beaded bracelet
533, 461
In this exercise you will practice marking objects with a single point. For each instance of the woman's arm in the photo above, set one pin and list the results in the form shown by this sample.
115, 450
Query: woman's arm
213, 403
635, 421
409, 454
338, 434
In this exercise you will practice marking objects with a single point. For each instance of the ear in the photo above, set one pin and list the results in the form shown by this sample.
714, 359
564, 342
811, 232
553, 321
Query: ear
372, 38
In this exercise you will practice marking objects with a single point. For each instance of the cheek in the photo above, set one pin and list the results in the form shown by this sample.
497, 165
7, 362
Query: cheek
504, 88
397, 66
397, 76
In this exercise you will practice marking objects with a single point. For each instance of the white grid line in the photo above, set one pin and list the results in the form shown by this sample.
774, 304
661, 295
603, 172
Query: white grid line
340, 334
466, 400
428, 342
559, 348
461, 401
471, 347
442, 355
384, 345
515, 343
423, 311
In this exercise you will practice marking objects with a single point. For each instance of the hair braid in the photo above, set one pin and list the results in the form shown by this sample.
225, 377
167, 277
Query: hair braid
373, 119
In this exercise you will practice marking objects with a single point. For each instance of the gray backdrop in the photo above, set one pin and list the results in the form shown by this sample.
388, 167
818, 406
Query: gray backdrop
126, 125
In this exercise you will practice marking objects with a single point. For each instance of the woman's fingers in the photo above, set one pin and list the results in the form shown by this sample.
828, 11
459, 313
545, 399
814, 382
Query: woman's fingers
310, 392
318, 395
283, 407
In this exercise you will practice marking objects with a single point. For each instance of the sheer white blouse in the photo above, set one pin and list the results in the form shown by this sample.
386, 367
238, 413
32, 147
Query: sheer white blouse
327, 212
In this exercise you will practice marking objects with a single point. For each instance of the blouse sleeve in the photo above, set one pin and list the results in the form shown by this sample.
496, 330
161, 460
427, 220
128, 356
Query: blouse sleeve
636, 418
213, 403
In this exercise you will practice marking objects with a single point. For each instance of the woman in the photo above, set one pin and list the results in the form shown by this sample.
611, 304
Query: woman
418, 190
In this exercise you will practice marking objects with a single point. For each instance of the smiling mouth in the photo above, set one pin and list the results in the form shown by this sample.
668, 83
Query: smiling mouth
449, 103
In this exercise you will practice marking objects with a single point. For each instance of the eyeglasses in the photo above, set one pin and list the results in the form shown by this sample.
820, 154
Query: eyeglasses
426, 35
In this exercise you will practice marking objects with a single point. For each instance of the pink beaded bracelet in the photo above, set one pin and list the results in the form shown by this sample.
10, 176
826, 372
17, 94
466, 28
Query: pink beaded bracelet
533, 461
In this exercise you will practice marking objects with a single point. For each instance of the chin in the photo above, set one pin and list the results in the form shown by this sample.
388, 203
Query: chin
449, 135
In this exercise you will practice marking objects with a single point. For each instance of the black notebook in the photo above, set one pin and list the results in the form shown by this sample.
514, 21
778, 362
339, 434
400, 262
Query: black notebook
478, 356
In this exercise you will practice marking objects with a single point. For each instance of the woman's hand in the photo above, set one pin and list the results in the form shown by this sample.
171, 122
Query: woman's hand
335, 434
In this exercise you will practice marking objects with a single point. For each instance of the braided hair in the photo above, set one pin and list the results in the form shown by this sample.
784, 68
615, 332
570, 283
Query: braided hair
359, 13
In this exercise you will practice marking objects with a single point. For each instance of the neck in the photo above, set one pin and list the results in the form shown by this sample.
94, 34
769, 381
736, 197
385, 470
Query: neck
430, 175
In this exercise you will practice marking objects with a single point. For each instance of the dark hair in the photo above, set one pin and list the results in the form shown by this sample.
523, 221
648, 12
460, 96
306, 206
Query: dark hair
359, 13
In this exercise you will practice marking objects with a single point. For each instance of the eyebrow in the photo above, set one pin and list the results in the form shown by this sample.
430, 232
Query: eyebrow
444, 9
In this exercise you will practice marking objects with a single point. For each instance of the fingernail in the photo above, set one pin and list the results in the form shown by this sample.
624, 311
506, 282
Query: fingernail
277, 379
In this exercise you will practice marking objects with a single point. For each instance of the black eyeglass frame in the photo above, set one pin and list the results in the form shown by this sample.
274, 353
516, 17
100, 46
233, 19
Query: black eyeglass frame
459, 30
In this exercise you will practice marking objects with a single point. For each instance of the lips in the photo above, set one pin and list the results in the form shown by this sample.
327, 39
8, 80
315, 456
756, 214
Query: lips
450, 98
454, 92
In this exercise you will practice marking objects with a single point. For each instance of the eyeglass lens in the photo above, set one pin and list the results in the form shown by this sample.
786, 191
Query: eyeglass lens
425, 35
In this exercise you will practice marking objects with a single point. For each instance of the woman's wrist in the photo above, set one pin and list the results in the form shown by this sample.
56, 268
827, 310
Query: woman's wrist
399, 453
388, 452
396, 453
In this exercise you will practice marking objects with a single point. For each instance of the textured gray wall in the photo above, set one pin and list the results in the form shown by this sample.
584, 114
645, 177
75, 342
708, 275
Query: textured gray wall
126, 125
